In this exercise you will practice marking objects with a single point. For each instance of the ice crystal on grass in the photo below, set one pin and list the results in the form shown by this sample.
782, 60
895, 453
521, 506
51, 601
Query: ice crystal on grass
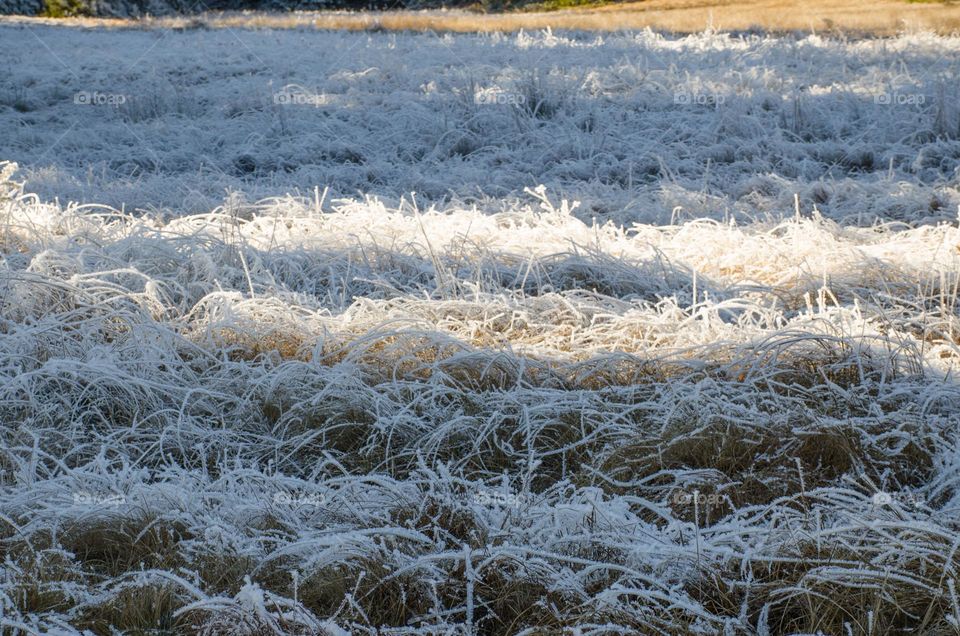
359, 414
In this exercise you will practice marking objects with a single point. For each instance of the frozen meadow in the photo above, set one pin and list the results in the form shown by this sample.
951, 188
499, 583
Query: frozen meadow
542, 333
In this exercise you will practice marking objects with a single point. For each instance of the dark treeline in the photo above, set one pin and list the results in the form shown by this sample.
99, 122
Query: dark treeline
142, 8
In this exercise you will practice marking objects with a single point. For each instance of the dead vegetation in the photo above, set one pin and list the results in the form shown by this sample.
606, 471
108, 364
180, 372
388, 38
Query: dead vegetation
886, 17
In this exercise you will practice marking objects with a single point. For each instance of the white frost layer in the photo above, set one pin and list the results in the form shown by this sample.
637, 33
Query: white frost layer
184, 370
637, 126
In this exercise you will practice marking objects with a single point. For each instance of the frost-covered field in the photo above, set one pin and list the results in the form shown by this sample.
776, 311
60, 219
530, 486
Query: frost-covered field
271, 391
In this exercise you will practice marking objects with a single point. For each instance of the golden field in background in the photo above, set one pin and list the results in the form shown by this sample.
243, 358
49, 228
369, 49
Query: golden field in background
884, 17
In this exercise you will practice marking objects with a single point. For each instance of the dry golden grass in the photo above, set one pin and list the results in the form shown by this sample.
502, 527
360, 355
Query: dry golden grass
884, 17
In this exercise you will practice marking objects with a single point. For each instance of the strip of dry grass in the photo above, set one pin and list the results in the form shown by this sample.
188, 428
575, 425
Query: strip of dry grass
885, 17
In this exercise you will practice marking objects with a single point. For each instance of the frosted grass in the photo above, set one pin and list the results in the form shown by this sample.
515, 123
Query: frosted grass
491, 411
639, 127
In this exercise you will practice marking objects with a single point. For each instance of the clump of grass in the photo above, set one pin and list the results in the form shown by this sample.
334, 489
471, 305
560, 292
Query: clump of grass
136, 609
730, 460
112, 547
836, 586
41, 580
66, 9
